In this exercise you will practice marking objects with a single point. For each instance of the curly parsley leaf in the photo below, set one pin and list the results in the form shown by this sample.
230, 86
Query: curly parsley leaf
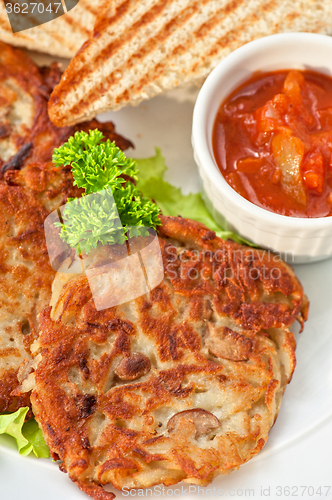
96, 165
111, 205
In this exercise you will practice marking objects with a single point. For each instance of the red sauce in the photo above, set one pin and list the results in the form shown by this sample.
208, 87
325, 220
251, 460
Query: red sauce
272, 141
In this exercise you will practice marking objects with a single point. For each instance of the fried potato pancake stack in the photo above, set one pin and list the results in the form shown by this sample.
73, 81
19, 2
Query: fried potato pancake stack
183, 383
26, 133
25, 273
141, 49
27, 196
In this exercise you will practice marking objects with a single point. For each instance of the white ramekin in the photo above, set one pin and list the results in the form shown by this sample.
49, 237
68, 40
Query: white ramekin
298, 240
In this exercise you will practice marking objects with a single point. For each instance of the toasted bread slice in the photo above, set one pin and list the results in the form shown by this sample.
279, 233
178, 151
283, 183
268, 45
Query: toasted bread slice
140, 49
62, 37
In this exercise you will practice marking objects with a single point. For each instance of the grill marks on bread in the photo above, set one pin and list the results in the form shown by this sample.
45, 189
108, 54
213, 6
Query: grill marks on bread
62, 37
142, 49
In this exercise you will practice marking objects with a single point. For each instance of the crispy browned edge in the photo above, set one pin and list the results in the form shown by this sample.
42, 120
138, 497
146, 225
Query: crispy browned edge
40, 141
188, 232
34, 153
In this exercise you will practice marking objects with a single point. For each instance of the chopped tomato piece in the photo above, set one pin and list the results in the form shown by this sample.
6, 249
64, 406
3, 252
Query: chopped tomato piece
323, 142
276, 177
269, 117
250, 165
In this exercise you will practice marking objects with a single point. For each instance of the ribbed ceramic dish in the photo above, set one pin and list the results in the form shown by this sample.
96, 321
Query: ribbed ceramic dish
299, 240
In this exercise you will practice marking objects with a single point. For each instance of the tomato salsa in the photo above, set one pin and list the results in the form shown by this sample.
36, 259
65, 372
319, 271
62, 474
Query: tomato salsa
272, 141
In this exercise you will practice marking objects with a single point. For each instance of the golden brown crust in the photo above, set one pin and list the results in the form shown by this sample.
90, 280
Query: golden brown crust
8, 384
241, 276
27, 139
26, 132
25, 278
107, 429
95, 492
25, 273
44, 183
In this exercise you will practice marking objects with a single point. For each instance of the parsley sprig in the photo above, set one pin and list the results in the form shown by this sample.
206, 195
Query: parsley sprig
98, 167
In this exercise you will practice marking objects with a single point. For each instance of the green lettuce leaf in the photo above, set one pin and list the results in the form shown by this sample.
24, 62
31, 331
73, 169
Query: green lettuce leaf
28, 435
171, 200
33, 433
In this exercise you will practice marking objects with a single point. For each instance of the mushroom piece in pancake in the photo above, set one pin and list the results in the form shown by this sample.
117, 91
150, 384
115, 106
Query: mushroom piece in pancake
182, 383
26, 132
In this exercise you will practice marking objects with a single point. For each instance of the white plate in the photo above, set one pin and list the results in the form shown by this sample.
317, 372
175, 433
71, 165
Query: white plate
300, 440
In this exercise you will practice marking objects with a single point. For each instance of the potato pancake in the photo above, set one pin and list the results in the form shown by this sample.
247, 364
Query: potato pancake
27, 139
25, 273
182, 383
26, 132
